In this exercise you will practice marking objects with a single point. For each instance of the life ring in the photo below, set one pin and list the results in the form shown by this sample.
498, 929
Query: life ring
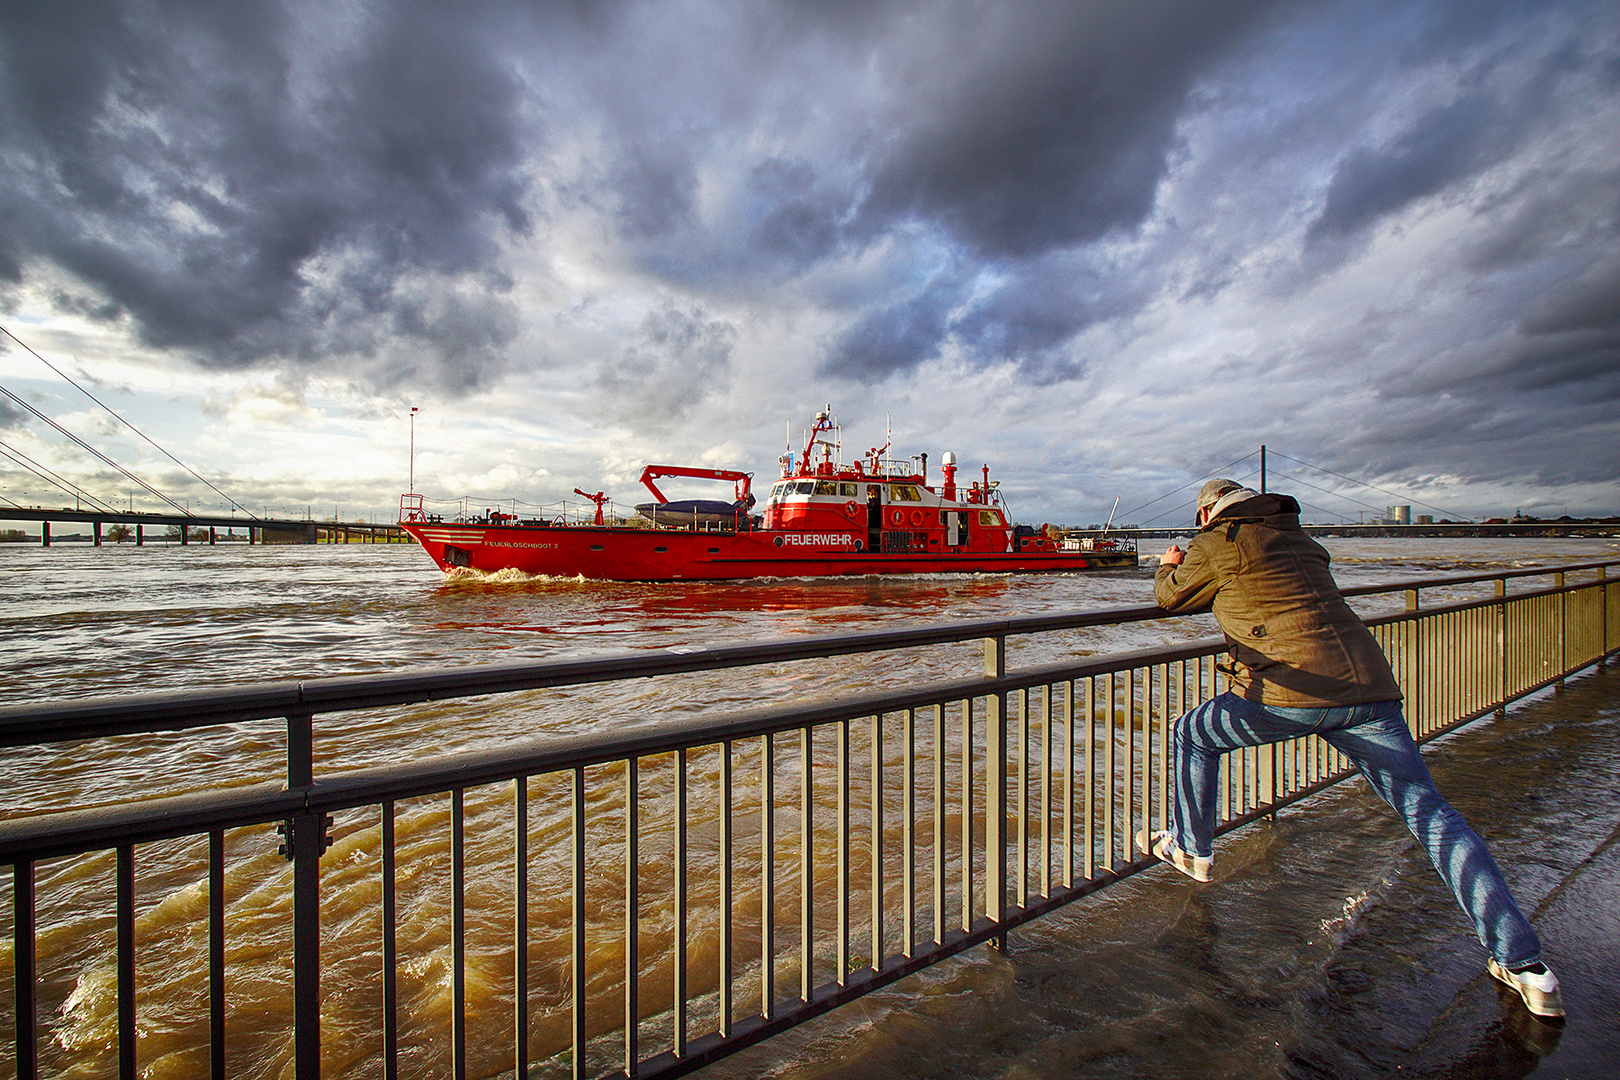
850, 509
916, 519
897, 517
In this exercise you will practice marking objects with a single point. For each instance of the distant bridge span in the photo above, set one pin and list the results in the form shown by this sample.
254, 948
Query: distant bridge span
260, 530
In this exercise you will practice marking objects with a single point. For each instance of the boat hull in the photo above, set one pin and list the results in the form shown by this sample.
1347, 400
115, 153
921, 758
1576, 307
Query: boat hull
619, 553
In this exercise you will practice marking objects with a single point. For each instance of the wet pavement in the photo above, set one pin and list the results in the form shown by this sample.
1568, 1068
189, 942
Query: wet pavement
1327, 947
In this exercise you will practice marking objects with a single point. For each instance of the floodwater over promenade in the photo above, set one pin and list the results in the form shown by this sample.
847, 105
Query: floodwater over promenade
1327, 951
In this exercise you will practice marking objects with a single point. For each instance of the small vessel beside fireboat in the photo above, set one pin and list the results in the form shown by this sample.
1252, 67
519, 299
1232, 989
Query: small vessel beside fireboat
822, 517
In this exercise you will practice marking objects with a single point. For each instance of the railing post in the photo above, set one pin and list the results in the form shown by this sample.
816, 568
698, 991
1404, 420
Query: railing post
305, 843
1502, 643
1563, 629
995, 782
22, 961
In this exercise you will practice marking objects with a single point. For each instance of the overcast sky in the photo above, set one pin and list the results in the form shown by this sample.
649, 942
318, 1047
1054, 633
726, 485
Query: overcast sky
1107, 248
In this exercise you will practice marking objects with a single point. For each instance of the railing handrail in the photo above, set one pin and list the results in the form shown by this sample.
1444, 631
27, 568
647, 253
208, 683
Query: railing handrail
96, 717
1469, 579
69, 832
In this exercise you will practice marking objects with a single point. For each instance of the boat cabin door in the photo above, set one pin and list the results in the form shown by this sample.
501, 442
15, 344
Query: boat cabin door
956, 528
874, 517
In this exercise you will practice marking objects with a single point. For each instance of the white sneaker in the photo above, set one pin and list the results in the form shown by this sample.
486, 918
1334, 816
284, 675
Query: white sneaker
1163, 847
1539, 989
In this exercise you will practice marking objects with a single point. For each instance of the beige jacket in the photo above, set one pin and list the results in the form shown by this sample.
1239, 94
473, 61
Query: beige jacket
1294, 641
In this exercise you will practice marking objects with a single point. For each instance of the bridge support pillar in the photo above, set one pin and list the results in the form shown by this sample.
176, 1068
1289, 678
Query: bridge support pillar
213, 537
44, 534
95, 529
140, 535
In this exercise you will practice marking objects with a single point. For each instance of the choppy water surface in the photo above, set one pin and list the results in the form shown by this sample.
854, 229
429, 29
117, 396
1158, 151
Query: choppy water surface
1328, 949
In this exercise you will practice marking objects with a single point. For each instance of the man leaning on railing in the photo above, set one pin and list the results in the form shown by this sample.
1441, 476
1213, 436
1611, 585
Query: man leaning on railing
1304, 664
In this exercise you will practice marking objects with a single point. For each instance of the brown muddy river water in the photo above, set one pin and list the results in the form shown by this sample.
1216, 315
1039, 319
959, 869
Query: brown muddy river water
1326, 948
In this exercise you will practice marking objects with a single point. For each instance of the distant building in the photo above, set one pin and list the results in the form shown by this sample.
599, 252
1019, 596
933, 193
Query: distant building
1425, 519
1398, 515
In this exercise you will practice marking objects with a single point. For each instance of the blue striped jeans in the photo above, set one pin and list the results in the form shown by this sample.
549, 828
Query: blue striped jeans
1376, 738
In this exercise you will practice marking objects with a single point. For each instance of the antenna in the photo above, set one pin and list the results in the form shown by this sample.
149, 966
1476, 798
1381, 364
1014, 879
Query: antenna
413, 449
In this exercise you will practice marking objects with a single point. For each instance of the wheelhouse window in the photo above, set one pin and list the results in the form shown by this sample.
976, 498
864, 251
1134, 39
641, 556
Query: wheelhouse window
848, 490
905, 493
826, 487
990, 519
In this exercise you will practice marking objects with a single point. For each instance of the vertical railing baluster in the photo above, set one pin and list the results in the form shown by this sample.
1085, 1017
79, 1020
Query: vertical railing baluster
767, 876
1146, 775
1045, 830
520, 926
216, 954
678, 960
807, 868
1021, 838
305, 843
632, 915
967, 814
458, 934
578, 988
908, 838
877, 841
842, 951
1090, 790
1067, 720
25, 1008
939, 823
995, 783
726, 904
128, 1068
1112, 735
390, 957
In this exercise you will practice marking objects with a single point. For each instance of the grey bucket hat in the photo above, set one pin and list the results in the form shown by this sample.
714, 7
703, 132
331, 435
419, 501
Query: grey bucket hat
1211, 493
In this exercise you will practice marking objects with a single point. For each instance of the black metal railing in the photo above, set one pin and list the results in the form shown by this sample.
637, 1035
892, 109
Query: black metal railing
683, 891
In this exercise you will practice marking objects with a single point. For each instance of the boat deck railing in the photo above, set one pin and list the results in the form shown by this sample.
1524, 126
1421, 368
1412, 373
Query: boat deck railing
681, 890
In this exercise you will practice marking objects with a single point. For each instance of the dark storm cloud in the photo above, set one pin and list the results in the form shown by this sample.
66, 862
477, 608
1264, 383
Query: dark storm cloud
679, 359
1032, 310
245, 180
804, 219
1037, 128
897, 337
1440, 146
1046, 125
1571, 340
1447, 144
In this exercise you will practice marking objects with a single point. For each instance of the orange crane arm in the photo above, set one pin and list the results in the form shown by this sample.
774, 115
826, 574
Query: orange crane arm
652, 472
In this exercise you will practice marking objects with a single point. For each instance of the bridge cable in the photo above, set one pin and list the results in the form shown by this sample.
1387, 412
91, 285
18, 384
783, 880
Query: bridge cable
1329, 491
1183, 487
45, 474
1363, 483
93, 451
131, 427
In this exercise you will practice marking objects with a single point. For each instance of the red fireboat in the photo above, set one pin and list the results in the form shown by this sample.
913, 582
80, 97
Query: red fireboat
822, 518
